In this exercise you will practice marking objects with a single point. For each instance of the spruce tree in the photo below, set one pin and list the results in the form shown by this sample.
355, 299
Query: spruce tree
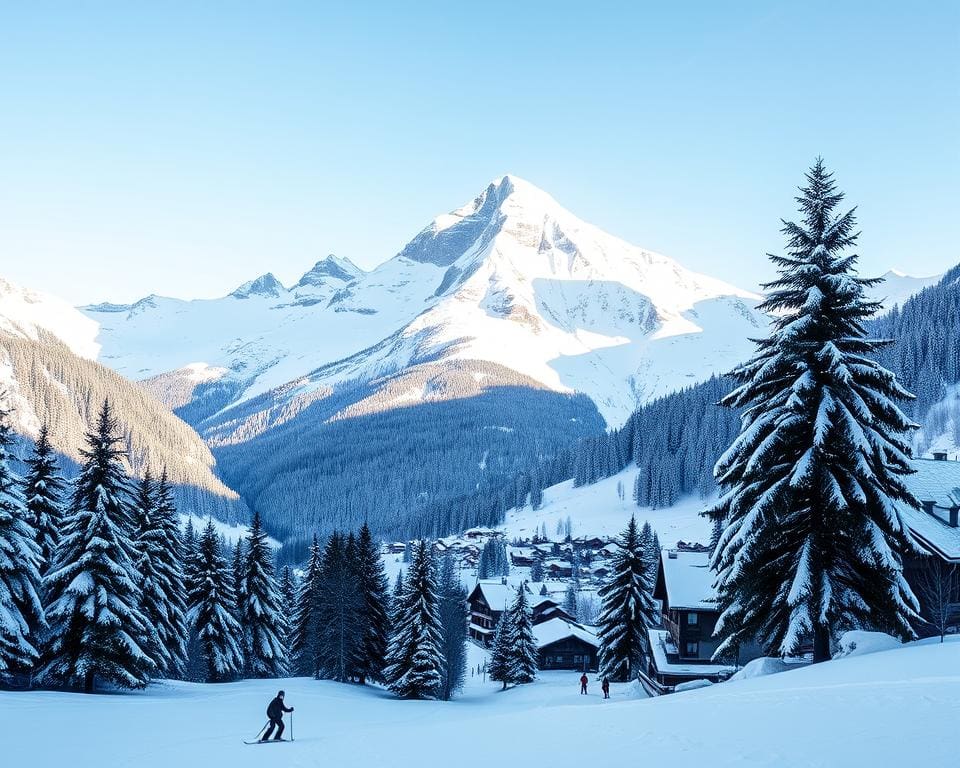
262, 615
339, 609
21, 610
812, 541
97, 630
289, 590
374, 619
414, 659
453, 632
218, 635
306, 623
536, 570
499, 666
570, 600
171, 622
44, 488
628, 607
521, 644
161, 601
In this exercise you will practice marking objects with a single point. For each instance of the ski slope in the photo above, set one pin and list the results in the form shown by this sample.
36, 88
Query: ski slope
895, 707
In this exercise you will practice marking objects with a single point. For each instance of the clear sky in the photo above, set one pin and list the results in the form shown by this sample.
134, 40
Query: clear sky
182, 148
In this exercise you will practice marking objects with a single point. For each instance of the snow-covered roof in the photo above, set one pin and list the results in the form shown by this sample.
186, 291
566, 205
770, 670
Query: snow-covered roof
689, 580
661, 644
498, 595
937, 482
559, 629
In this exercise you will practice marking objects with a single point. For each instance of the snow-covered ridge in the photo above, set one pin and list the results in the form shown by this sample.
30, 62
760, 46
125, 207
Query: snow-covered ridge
28, 314
511, 278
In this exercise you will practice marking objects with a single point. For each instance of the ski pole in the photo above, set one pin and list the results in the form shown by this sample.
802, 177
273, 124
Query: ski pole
262, 729
291, 726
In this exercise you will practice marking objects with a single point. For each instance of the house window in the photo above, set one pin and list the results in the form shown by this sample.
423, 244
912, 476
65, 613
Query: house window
693, 619
691, 649
577, 661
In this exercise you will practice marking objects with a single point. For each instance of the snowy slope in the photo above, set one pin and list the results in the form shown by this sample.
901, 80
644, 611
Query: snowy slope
511, 278
599, 510
29, 314
889, 708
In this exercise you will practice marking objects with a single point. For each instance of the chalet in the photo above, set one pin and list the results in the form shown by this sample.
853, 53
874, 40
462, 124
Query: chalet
936, 525
600, 572
558, 571
565, 644
482, 533
487, 602
396, 548
589, 543
682, 649
543, 609
523, 558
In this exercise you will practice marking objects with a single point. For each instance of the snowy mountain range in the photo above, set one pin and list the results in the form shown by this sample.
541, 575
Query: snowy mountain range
510, 278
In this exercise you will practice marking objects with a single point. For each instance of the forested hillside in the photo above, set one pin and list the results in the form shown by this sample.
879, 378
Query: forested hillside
425, 469
47, 383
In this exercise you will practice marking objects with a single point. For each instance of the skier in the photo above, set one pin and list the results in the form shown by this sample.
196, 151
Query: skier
275, 712
605, 687
583, 684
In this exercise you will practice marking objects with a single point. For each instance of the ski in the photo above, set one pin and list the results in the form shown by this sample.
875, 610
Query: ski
268, 741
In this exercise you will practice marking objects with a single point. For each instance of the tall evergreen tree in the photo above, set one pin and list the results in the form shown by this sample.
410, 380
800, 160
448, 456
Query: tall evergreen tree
97, 630
43, 489
162, 600
21, 610
414, 659
628, 607
289, 590
570, 600
523, 652
453, 628
219, 636
812, 541
499, 666
339, 642
374, 618
171, 623
262, 615
306, 635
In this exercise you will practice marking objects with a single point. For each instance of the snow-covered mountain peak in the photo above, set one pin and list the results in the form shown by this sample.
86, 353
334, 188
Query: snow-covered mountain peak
898, 286
330, 268
266, 286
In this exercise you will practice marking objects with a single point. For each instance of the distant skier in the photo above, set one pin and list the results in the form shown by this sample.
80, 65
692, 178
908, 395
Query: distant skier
583, 684
275, 712
605, 687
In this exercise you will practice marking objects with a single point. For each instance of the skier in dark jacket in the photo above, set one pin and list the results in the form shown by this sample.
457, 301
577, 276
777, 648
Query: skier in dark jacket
583, 683
275, 712
605, 687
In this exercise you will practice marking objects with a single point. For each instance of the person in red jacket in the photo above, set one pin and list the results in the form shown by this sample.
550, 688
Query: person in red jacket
605, 687
583, 684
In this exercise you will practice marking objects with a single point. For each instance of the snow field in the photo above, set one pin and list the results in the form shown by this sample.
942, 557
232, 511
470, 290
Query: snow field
888, 708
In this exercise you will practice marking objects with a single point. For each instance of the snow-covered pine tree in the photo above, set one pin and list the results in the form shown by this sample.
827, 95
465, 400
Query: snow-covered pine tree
289, 589
21, 610
172, 626
96, 628
218, 635
536, 570
238, 574
453, 632
498, 668
44, 489
155, 586
262, 614
306, 621
414, 658
812, 541
374, 618
628, 607
570, 600
522, 651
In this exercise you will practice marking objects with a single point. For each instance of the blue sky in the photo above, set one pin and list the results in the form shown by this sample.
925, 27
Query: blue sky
181, 148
